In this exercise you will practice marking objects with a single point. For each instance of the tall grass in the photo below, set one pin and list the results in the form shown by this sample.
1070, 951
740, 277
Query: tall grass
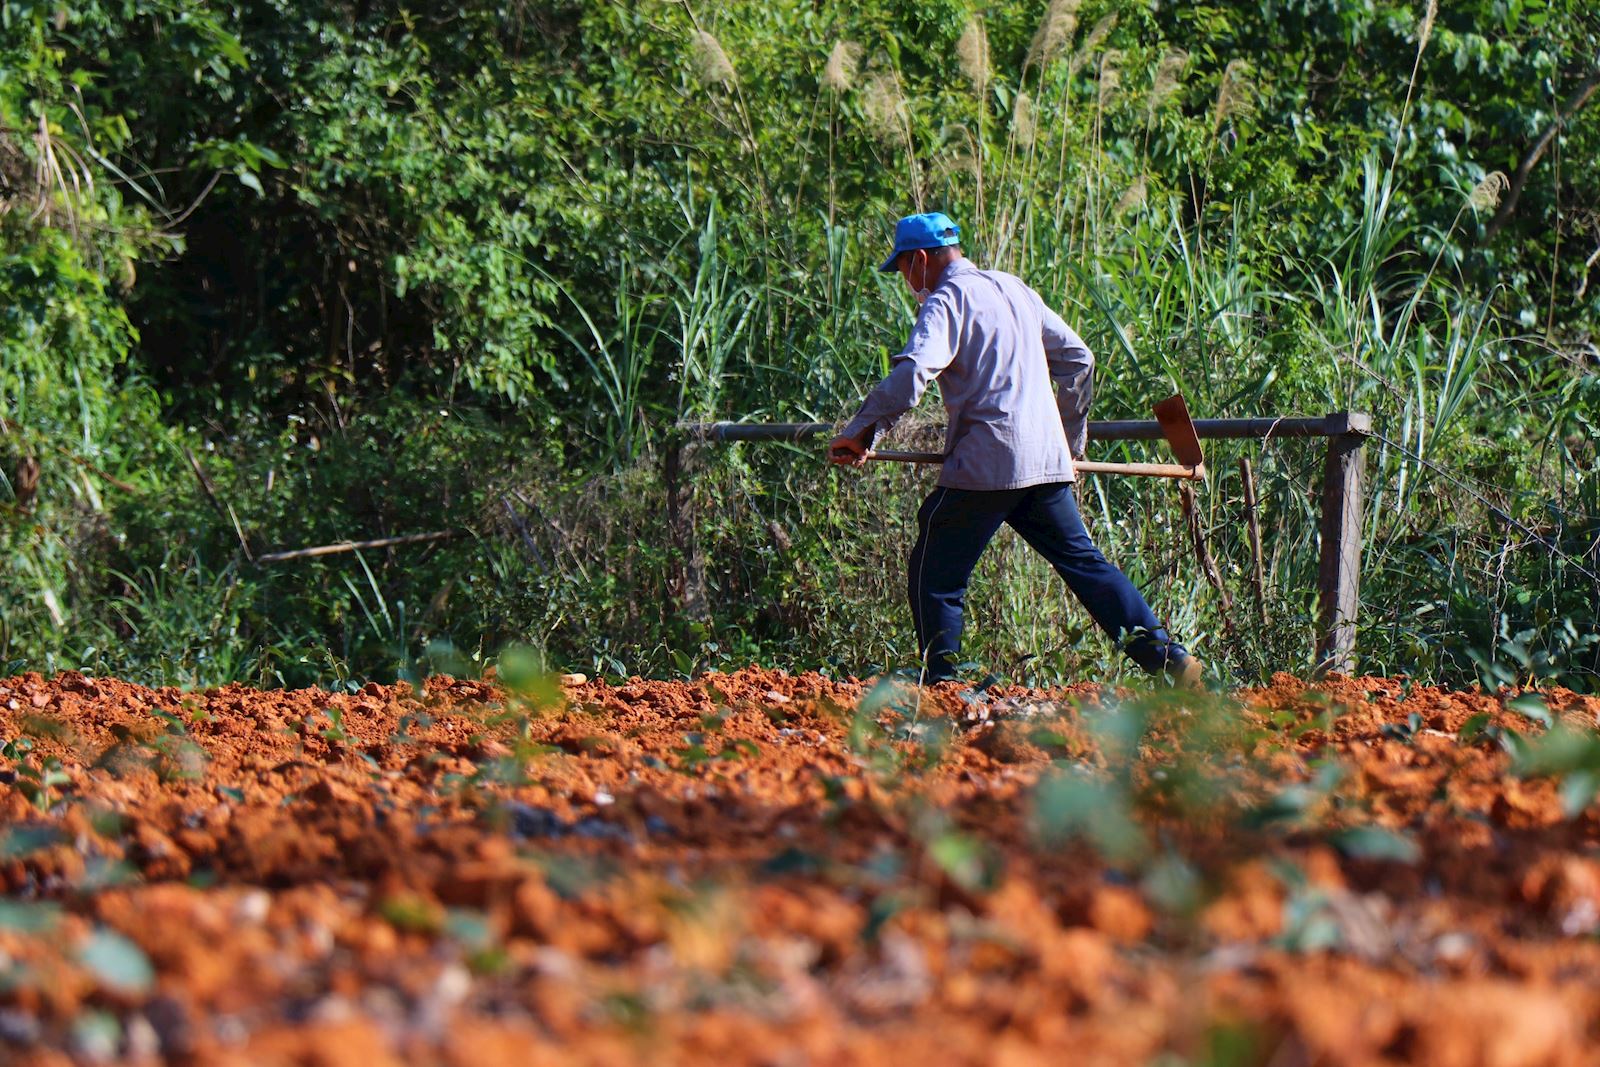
1094, 164
1218, 308
758, 300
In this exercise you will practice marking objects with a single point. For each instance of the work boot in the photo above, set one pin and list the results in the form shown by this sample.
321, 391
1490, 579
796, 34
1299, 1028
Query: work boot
939, 667
1188, 673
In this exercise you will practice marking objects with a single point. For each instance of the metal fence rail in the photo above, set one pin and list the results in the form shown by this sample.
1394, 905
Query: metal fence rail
1333, 425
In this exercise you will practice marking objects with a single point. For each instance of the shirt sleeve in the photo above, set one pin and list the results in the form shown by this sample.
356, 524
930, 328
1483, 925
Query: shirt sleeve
1072, 372
931, 348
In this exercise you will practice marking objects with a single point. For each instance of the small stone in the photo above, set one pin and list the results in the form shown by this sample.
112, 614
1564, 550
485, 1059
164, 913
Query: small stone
95, 1036
253, 906
452, 985
1453, 946
230, 1030
18, 1027
318, 940
530, 821
1581, 919
776, 697
602, 798
1234, 956
332, 1009
597, 829
172, 1025
140, 1039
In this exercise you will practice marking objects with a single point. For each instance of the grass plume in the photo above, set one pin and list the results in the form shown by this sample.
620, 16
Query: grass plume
972, 53
1169, 77
1096, 37
711, 63
1425, 28
1022, 123
1233, 95
843, 62
1133, 198
884, 107
1485, 196
1110, 76
1060, 22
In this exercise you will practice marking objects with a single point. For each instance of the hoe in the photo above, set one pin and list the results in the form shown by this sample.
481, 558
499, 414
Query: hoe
1173, 415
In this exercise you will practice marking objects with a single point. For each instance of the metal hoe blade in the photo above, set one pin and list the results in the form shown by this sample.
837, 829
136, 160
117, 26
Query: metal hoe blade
1173, 415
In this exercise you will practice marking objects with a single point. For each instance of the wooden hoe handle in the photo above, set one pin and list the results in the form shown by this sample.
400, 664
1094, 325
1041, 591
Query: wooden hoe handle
1176, 426
1146, 470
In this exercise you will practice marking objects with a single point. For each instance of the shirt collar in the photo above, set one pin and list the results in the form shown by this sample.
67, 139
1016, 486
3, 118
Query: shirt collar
960, 266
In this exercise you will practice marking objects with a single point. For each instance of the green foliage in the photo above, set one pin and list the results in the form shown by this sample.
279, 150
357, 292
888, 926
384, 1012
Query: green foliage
1568, 754
386, 271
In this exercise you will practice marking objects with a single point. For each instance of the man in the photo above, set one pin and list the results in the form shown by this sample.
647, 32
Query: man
997, 350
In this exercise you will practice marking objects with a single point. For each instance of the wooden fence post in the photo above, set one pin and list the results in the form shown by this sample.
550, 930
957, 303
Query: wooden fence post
1339, 572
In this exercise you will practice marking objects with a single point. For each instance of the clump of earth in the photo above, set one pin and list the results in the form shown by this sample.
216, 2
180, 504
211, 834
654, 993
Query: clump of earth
760, 868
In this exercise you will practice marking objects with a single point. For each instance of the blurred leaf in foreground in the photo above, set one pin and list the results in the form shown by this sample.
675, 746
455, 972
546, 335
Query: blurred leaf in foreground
117, 962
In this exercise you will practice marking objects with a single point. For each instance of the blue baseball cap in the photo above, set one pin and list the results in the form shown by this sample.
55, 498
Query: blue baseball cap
933, 230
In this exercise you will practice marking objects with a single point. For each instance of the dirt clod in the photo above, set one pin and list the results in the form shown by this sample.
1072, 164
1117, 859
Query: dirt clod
751, 868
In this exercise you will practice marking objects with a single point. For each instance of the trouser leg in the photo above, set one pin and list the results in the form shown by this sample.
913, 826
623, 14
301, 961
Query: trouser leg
953, 528
1047, 518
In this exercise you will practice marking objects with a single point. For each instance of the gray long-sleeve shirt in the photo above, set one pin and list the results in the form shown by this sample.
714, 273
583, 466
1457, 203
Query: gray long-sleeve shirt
997, 350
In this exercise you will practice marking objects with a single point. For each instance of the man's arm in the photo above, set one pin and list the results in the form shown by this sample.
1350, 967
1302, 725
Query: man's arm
930, 350
1072, 371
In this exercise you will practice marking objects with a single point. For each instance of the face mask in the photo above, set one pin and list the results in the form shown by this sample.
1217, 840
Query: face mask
923, 293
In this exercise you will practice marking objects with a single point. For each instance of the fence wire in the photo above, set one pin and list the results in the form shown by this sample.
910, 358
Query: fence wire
1494, 509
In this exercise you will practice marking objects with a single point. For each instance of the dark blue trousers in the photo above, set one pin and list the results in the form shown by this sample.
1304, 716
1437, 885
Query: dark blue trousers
954, 526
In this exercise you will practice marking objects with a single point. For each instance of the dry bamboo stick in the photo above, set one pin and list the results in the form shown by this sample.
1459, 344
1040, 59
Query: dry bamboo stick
1202, 552
222, 509
115, 483
1258, 572
353, 546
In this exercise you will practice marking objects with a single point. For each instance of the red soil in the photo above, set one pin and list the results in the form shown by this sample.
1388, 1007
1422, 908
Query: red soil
765, 869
